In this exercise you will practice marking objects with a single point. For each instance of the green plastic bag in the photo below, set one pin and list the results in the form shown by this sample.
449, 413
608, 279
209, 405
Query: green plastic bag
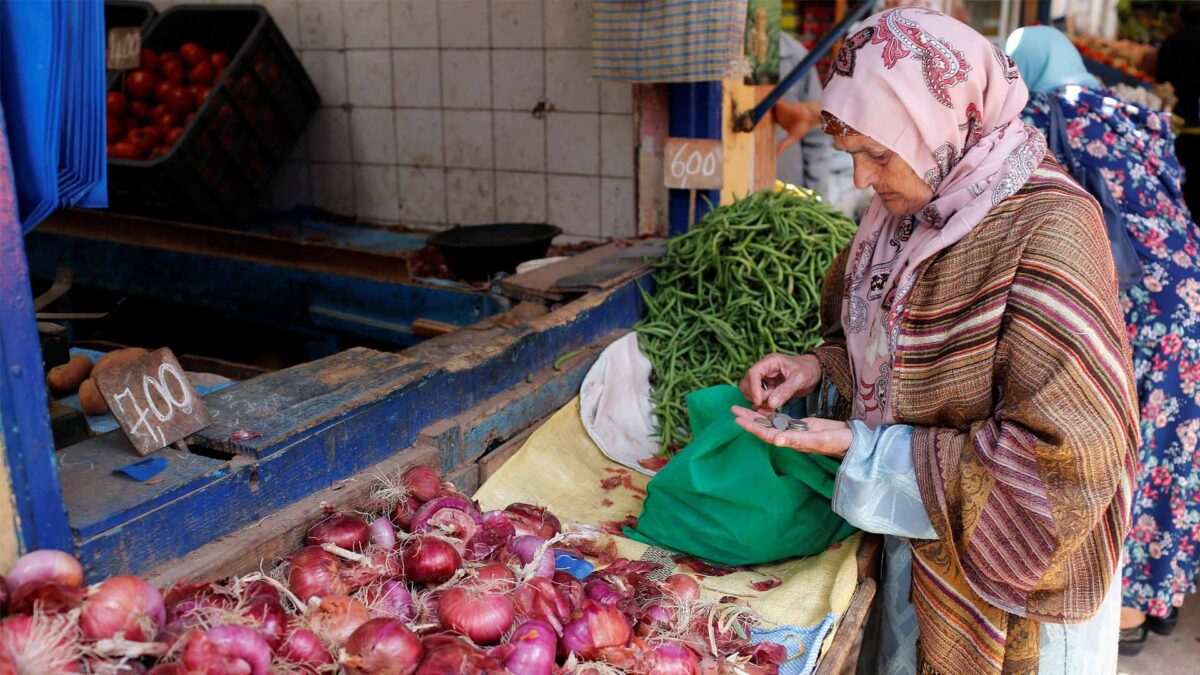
732, 499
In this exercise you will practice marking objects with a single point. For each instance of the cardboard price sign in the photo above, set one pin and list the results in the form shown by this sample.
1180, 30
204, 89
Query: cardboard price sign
153, 401
124, 48
693, 164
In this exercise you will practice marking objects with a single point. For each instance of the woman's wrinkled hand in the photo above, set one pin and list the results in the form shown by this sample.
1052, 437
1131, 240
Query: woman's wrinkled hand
823, 437
777, 378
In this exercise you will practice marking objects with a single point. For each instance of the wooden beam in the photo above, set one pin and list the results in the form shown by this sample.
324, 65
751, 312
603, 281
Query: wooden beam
835, 660
651, 119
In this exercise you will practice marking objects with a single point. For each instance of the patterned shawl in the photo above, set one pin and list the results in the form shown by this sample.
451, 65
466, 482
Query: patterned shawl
949, 103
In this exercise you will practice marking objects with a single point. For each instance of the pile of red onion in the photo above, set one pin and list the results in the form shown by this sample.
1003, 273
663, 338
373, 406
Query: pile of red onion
430, 586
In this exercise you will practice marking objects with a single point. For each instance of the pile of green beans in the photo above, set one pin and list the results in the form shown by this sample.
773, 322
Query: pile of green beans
744, 282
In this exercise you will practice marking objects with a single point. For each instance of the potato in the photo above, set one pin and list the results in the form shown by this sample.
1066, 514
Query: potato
65, 379
90, 399
118, 357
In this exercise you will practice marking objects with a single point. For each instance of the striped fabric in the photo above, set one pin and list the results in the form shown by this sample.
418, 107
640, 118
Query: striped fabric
1013, 365
666, 40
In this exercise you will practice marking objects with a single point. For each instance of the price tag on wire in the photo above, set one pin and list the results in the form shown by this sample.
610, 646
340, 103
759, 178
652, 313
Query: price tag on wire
153, 401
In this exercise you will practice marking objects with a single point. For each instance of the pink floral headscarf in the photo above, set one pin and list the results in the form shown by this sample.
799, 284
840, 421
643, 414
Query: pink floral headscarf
948, 102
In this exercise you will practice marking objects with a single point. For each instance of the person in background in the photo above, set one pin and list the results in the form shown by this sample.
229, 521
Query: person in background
1179, 64
975, 368
1132, 148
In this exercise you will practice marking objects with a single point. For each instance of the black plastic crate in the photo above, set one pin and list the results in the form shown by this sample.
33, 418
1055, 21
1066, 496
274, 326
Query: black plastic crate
225, 161
126, 14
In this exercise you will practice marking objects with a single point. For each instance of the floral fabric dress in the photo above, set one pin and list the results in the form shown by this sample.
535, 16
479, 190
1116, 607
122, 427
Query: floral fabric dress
1134, 151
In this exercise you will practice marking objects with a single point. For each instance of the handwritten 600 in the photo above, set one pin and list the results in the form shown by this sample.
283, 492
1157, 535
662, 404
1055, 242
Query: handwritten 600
152, 409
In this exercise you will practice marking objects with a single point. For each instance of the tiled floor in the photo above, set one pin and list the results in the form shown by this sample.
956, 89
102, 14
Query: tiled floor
1177, 654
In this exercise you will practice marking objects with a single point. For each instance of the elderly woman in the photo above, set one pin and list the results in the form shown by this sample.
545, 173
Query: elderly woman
976, 348
1133, 150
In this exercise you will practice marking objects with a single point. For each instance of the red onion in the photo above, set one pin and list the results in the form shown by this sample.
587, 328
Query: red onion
534, 644
527, 547
656, 616
304, 647
315, 573
384, 564
534, 520
382, 647
336, 617
451, 515
348, 532
673, 659
403, 512
50, 597
684, 587
182, 598
123, 605
428, 560
388, 598
448, 655
383, 533
600, 626
495, 531
766, 654
168, 669
571, 590
43, 566
272, 619
261, 589
422, 482
227, 649
539, 598
42, 643
95, 665
496, 573
3, 596
480, 614
602, 593
425, 603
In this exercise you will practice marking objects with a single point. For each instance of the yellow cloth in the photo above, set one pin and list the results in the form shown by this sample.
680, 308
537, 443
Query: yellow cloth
559, 467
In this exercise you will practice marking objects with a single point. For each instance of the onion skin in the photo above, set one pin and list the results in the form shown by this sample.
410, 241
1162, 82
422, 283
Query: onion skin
526, 548
673, 659
539, 598
571, 590
348, 532
383, 533
448, 655
483, 616
428, 560
496, 573
451, 515
168, 669
123, 605
685, 587
303, 646
315, 573
422, 482
390, 599
227, 649
273, 620
336, 618
403, 512
534, 520
50, 597
382, 647
495, 531
42, 566
534, 646
599, 627
40, 644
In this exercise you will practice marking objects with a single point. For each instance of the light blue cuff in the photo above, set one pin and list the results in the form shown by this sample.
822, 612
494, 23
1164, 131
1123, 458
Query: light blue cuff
876, 487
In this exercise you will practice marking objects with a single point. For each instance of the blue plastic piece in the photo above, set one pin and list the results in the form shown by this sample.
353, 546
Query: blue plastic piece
573, 565
144, 470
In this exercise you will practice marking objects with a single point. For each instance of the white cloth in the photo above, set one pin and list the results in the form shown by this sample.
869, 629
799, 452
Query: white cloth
614, 404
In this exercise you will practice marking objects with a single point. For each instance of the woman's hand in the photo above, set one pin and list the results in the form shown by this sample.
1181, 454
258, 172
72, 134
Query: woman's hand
797, 119
823, 437
776, 378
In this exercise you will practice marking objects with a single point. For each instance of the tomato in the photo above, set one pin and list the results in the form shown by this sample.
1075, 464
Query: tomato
140, 83
174, 70
200, 94
114, 103
166, 120
160, 151
188, 120
113, 128
163, 89
145, 138
157, 112
202, 73
219, 59
218, 71
168, 55
172, 136
150, 59
192, 53
139, 109
124, 150
179, 101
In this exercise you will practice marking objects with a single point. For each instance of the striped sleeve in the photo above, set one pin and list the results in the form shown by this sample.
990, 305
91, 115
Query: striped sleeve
835, 360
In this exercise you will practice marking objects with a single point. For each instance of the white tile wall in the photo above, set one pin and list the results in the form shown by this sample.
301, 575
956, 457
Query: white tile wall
427, 115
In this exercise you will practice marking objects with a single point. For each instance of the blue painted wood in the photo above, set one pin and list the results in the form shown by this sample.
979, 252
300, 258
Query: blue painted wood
277, 296
24, 416
694, 111
340, 445
97, 500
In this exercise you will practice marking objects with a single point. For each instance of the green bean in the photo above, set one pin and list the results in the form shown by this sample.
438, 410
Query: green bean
743, 282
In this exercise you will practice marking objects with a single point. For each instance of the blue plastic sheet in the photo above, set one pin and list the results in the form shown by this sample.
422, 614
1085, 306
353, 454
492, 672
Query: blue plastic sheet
52, 90
144, 470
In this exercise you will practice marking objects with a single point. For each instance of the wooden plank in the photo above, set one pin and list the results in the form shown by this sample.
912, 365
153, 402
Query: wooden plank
259, 544
764, 145
835, 660
538, 284
652, 119
596, 269
223, 243
490, 463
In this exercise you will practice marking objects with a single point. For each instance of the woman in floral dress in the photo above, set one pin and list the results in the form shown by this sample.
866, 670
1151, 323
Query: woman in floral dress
1134, 149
